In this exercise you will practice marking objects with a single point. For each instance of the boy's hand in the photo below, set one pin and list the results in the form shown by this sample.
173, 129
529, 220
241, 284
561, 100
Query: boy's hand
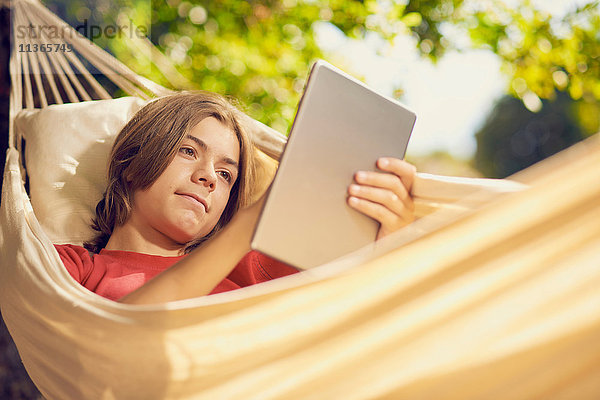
385, 196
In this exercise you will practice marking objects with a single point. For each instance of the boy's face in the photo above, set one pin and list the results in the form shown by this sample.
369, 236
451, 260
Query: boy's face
188, 198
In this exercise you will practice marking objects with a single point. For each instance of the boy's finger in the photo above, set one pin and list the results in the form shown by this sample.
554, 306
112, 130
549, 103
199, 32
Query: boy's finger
404, 170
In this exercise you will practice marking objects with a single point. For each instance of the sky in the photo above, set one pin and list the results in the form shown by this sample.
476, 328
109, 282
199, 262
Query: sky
451, 99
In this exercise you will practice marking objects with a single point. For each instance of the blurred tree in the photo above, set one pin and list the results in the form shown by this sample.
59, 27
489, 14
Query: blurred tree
514, 138
541, 52
259, 51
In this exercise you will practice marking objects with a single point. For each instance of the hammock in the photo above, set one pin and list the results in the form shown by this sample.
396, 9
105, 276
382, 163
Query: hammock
491, 293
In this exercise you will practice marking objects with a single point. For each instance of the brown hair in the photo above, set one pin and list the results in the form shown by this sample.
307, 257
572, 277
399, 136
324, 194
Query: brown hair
149, 142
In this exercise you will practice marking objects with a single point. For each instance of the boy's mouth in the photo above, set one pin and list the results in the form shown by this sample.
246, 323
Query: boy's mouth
195, 198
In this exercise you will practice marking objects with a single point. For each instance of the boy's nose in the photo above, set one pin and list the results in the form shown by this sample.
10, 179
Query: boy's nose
209, 180
207, 177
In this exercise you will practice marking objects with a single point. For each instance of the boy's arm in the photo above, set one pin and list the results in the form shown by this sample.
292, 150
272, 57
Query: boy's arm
383, 196
204, 268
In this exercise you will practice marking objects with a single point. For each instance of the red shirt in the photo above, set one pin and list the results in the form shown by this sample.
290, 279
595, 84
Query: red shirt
115, 273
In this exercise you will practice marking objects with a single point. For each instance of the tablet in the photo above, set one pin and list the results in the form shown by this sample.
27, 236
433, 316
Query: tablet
341, 127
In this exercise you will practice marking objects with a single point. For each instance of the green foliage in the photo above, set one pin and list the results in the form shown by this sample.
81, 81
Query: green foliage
259, 51
542, 54
432, 16
256, 51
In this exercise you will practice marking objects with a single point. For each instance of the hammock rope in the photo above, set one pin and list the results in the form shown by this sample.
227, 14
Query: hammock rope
26, 74
65, 65
492, 293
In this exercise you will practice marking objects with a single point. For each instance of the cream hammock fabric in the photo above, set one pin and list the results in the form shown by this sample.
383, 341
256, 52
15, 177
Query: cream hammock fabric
492, 293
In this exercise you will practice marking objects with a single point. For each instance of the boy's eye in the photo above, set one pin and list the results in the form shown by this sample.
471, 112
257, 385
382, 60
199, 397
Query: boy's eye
187, 151
226, 175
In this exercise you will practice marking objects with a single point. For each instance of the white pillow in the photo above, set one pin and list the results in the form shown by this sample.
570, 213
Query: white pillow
66, 155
